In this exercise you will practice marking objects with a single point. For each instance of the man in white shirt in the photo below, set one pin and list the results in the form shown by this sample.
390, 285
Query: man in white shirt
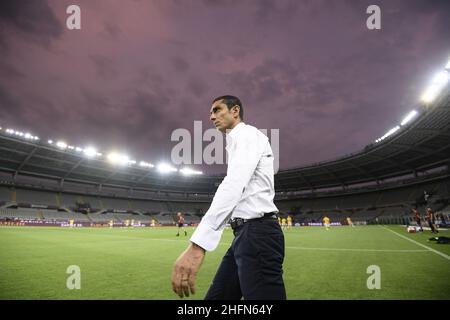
252, 268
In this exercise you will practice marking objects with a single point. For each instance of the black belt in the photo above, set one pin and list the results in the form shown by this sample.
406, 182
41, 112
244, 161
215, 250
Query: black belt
237, 222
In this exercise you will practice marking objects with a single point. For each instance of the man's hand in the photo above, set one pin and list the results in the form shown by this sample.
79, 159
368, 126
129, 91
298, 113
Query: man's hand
185, 269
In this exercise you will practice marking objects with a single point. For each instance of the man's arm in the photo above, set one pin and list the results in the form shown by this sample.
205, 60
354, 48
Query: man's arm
246, 154
185, 270
247, 151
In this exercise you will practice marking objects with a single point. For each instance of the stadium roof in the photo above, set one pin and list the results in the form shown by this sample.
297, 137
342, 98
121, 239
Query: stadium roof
423, 144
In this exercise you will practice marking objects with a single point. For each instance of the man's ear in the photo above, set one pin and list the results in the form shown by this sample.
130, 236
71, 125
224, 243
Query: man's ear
236, 107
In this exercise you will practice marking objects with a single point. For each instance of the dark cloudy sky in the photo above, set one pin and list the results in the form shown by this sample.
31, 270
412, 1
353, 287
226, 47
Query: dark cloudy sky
137, 70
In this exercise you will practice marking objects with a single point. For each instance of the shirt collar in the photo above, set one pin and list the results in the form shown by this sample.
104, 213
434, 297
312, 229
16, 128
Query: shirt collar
232, 134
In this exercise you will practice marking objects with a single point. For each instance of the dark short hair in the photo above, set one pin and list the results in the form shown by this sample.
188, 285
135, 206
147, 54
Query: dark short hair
230, 102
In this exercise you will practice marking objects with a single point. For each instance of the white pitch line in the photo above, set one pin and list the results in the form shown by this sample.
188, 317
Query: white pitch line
419, 244
349, 249
297, 248
290, 247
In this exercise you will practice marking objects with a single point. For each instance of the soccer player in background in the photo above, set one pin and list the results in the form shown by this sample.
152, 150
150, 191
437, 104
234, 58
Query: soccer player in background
326, 222
350, 222
289, 221
283, 223
181, 224
431, 219
417, 218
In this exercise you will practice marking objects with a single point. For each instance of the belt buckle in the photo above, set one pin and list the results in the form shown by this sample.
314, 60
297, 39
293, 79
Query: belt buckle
237, 222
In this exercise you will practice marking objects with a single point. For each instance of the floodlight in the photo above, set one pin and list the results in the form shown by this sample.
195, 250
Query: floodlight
166, 168
145, 164
390, 132
409, 117
90, 152
437, 83
188, 171
441, 78
430, 94
61, 144
447, 67
116, 158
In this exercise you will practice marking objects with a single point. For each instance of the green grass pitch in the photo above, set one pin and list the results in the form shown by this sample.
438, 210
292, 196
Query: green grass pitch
137, 263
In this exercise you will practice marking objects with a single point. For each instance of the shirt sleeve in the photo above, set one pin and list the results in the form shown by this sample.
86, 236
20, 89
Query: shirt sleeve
245, 153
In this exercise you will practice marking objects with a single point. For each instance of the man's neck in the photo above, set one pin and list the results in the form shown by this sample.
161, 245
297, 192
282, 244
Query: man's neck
236, 123
233, 126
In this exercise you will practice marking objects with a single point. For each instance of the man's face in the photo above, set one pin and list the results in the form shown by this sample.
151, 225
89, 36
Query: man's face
222, 117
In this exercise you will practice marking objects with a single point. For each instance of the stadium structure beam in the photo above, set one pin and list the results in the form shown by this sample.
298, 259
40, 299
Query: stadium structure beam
73, 168
410, 146
15, 161
144, 176
363, 171
392, 162
302, 176
40, 175
25, 161
8, 170
55, 159
16, 140
331, 172
443, 148
433, 132
24, 153
36, 156
105, 168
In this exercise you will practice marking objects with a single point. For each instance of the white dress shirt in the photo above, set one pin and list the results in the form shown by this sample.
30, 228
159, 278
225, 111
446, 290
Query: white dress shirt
246, 192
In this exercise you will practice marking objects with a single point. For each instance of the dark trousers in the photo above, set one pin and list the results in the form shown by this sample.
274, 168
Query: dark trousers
252, 268
431, 224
